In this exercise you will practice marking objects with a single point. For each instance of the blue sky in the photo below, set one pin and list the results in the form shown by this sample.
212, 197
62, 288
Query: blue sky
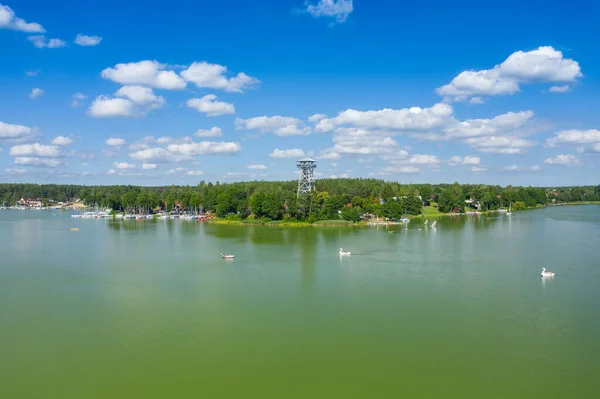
143, 92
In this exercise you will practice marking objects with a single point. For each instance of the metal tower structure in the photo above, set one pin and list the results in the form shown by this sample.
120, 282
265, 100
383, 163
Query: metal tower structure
306, 180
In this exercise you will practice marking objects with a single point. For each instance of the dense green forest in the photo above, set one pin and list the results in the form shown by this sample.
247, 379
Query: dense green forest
334, 198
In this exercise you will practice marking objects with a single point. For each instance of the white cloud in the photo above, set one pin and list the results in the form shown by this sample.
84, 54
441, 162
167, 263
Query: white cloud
518, 168
124, 165
280, 125
164, 140
34, 161
149, 166
235, 175
40, 41
545, 64
589, 139
158, 155
32, 73
500, 144
62, 140
336, 9
140, 95
395, 169
112, 172
499, 125
362, 142
14, 132
259, 167
406, 119
477, 169
212, 132
334, 165
35, 93
468, 160
210, 106
8, 20
83, 40
316, 118
212, 76
77, 100
559, 89
36, 150
566, 160
106, 107
147, 73
292, 153
186, 172
115, 142
476, 100
205, 148
420, 159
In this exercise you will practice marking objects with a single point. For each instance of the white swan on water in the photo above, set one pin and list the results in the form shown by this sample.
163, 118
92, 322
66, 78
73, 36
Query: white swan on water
547, 274
343, 253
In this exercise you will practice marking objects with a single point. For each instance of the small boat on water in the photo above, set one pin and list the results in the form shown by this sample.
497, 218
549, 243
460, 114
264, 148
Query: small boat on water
547, 274
344, 253
434, 223
509, 210
223, 256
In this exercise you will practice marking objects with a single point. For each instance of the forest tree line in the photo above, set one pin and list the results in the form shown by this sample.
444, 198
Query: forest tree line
333, 198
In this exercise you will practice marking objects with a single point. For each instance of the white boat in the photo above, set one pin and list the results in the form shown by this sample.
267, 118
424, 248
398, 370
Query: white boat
163, 217
502, 210
129, 216
509, 210
404, 220
223, 256
434, 223
426, 222
119, 216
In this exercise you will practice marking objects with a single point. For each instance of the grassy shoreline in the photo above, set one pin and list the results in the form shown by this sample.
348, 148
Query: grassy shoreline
345, 223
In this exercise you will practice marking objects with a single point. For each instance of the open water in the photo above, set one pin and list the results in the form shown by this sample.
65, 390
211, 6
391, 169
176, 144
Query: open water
148, 309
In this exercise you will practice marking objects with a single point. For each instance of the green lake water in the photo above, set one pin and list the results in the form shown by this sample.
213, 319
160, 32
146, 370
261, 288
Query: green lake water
148, 309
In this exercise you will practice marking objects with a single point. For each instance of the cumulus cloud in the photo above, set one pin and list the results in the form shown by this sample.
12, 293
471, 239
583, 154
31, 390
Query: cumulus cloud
8, 20
478, 169
140, 95
40, 41
115, 142
212, 76
280, 125
36, 150
149, 166
585, 140
291, 153
129, 101
406, 119
107, 107
9, 132
545, 64
500, 144
124, 165
559, 89
499, 125
338, 10
420, 159
395, 169
205, 148
86, 41
62, 140
566, 160
185, 172
468, 160
34, 161
519, 168
257, 166
147, 73
158, 155
78, 100
210, 106
35, 93
212, 132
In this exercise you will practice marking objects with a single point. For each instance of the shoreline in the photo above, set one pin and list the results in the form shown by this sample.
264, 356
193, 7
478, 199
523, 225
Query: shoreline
345, 223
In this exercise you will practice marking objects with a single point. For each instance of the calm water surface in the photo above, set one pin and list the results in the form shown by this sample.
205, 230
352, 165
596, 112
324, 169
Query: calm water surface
148, 309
